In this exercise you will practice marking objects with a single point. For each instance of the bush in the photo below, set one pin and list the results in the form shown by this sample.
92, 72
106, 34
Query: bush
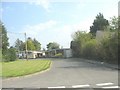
89, 49
10, 55
58, 55
79, 41
107, 49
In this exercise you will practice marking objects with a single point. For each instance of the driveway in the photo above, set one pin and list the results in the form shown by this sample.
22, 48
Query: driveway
68, 73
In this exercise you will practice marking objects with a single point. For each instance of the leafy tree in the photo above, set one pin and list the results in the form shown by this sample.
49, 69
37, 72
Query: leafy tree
106, 50
30, 44
0, 37
44, 49
79, 39
19, 45
11, 55
119, 23
100, 23
52, 45
36, 44
4, 40
114, 23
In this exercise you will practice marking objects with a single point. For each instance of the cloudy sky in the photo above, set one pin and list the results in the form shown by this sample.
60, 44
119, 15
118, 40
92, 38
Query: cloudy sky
52, 20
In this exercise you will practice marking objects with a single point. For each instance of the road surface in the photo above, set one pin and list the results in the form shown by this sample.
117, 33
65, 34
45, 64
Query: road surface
68, 73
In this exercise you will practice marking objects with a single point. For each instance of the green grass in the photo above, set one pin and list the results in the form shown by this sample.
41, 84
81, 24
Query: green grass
23, 67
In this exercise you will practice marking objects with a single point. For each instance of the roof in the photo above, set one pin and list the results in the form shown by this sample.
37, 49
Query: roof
36, 51
60, 49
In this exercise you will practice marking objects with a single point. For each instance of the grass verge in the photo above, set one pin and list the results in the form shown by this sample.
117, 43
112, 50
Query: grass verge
23, 67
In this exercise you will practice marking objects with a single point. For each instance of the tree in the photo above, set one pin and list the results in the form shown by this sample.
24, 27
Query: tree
11, 55
52, 45
100, 23
119, 23
44, 49
79, 40
19, 45
114, 23
0, 37
5, 43
36, 44
30, 44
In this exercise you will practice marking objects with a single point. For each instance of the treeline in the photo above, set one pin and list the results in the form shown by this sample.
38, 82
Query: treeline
102, 46
32, 44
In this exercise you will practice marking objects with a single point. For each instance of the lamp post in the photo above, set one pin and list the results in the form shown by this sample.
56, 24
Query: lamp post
26, 47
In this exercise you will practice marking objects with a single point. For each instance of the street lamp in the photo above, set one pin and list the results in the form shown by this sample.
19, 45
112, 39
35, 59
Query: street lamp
26, 46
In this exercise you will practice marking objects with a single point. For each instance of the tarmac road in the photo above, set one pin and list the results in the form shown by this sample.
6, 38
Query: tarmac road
68, 73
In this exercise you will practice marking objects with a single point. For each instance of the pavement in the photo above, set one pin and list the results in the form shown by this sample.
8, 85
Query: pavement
68, 73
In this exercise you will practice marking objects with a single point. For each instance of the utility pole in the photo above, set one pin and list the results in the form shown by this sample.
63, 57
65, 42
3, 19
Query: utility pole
26, 47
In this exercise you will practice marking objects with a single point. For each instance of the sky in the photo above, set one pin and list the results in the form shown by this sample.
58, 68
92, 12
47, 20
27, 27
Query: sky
52, 20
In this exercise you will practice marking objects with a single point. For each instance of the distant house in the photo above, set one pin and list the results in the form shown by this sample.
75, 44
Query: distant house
35, 54
31, 54
21, 54
64, 53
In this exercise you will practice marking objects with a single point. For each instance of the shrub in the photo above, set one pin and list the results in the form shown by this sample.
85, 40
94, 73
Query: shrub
10, 55
108, 49
89, 49
104, 49
58, 55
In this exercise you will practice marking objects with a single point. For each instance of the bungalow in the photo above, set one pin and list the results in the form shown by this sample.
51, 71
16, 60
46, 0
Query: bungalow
35, 54
31, 54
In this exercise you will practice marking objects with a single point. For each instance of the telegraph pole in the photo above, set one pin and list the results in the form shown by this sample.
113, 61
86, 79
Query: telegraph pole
26, 47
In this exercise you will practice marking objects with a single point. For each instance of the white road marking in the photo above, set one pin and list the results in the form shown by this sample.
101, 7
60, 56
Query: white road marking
111, 87
103, 84
80, 86
57, 87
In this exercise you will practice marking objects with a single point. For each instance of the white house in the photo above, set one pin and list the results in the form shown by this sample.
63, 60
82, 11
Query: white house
35, 54
31, 54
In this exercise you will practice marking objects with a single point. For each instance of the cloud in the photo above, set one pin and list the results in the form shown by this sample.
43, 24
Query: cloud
63, 34
36, 29
108, 13
52, 31
44, 3
84, 25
